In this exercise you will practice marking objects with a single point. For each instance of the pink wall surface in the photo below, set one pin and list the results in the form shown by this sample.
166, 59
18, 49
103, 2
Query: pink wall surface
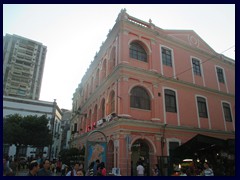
107, 76
188, 115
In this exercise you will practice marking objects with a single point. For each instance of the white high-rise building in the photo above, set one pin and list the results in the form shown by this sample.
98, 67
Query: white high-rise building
23, 65
26, 107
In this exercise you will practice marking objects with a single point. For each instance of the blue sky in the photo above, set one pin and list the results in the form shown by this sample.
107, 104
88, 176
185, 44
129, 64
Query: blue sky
73, 33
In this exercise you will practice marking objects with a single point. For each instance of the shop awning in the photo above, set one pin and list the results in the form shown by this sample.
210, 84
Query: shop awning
198, 143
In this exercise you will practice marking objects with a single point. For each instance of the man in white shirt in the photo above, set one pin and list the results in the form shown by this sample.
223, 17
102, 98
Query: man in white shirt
208, 171
74, 171
140, 169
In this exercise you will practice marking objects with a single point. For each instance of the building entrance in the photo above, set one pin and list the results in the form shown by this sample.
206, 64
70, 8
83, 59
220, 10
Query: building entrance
140, 151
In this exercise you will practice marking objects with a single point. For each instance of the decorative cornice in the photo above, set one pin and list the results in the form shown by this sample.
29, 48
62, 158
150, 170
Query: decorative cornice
155, 75
149, 125
158, 35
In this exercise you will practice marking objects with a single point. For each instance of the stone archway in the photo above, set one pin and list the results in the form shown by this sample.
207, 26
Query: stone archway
140, 150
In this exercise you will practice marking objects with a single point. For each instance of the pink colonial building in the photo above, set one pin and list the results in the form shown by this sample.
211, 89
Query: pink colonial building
150, 91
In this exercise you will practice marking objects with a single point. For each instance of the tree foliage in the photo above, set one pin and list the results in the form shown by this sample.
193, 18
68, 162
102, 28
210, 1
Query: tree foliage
70, 156
27, 130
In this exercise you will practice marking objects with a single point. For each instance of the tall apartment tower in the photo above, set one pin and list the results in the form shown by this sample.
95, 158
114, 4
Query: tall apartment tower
23, 65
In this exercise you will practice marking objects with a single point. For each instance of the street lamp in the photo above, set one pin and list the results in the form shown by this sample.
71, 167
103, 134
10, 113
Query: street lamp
163, 137
163, 140
76, 113
82, 114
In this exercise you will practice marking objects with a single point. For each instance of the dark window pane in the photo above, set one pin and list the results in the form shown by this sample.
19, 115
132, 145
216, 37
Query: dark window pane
140, 98
196, 67
202, 107
170, 101
166, 57
220, 75
227, 112
137, 52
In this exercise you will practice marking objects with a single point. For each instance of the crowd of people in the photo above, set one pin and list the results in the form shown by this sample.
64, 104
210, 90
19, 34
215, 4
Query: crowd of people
190, 170
13, 165
193, 170
95, 168
44, 167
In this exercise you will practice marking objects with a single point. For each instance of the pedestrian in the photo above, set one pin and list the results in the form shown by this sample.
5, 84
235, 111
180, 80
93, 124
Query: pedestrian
140, 169
73, 172
81, 167
66, 169
90, 171
63, 169
103, 171
183, 172
33, 168
40, 160
10, 159
52, 167
7, 171
80, 172
176, 173
207, 171
156, 170
45, 170
96, 167
14, 166
6, 157
58, 166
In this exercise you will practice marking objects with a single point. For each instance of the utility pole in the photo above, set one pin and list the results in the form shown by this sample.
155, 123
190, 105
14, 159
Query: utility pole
128, 140
162, 147
52, 128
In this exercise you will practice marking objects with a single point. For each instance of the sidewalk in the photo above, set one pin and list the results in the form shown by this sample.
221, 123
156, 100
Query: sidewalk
24, 172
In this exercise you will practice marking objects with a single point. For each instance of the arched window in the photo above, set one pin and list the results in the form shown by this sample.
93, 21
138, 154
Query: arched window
85, 124
140, 98
137, 52
97, 79
91, 86
87, 92
90, 116
104, 70
95, 114
89, 120
112, 60
112, 102
103, 108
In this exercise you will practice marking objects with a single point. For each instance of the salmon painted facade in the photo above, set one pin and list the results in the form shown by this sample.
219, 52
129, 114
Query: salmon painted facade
149, 90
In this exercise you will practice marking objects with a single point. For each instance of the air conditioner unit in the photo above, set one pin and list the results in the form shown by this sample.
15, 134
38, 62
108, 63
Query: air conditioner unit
99, 122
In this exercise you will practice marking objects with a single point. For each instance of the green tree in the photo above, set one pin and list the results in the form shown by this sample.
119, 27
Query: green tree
70, 156
27, 130
13, 133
